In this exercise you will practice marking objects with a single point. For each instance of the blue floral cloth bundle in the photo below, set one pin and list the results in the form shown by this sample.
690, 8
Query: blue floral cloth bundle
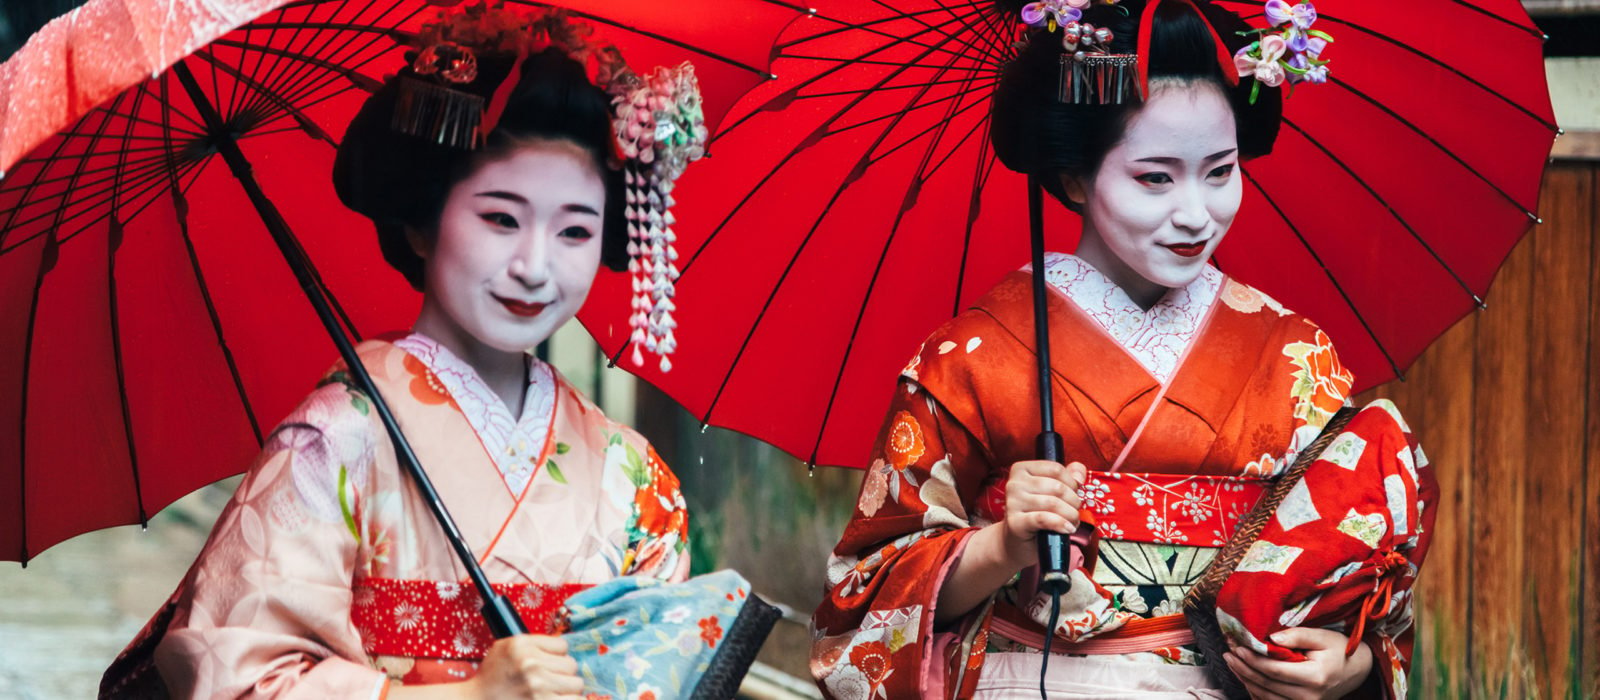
643, 639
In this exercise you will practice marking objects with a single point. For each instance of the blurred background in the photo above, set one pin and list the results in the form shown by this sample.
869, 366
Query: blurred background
1507, 405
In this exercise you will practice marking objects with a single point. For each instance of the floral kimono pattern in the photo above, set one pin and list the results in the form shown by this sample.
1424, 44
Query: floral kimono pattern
1182, 415
326, 576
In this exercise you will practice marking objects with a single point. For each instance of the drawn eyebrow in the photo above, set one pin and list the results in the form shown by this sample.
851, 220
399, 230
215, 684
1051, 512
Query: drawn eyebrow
519, 199
1163, 160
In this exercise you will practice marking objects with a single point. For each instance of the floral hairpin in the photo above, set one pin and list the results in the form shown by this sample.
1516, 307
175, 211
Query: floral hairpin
660, 129
657, 119
1290, 50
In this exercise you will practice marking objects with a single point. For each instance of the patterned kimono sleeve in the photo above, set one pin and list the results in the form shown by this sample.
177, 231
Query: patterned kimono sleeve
658, 531
874, 633
265, 611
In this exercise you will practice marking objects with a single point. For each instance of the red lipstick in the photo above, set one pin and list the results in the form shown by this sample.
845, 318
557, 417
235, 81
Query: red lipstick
1188, 250
520, 308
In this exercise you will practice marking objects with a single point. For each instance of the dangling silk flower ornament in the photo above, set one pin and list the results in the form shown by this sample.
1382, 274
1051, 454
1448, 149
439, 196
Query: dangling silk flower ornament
660, 129
1290, 50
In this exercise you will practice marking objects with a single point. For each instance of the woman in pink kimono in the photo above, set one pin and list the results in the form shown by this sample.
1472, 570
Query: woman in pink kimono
326, 576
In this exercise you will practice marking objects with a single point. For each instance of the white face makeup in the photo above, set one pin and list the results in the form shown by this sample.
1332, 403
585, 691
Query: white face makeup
517, 249
1164, 196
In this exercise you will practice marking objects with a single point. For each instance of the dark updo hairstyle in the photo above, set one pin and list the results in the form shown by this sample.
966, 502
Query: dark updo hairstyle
401, 181
1034, 133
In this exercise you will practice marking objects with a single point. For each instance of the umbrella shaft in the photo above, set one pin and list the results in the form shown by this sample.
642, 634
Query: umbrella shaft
503, 621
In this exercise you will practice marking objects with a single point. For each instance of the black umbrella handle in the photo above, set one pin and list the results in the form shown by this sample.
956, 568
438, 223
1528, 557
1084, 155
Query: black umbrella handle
501, 618
1053, 559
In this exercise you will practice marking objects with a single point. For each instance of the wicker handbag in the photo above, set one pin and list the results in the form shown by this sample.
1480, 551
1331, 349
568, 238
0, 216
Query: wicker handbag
1200, 605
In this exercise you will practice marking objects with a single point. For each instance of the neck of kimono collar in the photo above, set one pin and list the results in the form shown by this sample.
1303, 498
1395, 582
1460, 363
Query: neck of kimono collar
509, 440
1156, 337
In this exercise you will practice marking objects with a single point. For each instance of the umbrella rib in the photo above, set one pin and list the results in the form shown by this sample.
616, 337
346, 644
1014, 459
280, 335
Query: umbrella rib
920, 176
957, 97
817, 224
1397, 217
981, 170
1504, 20
658, 37
27, 192
146, 183
122, 384
938, 125
114, 242
869, 27
908, 86
787, 157
106, 185
726, 129
27, 365
181, 209
276, 100
1305, 243
861, 61
1427, 57
279, 79
309, 55
986, 52
1452, 154
301, 71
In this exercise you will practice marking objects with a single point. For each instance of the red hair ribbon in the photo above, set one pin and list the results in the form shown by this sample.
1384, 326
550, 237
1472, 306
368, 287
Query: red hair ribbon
1147, 18
502, 94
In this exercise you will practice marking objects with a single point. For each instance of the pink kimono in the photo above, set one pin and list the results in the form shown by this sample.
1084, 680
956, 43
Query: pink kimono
327, 577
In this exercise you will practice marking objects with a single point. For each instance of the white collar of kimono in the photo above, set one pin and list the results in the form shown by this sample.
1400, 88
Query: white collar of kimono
1155, 338
515, 445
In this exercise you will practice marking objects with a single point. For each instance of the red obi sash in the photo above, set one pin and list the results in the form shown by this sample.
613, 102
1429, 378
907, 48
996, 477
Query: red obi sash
1160, 508
440, 619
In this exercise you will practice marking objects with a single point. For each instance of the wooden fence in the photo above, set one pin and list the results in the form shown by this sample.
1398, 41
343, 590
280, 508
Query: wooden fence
1507, 406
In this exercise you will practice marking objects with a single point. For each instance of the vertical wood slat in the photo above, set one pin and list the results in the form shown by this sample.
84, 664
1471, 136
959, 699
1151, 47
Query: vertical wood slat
1507, 406
1589, 642
1500, 451
1554, 461
1444, 429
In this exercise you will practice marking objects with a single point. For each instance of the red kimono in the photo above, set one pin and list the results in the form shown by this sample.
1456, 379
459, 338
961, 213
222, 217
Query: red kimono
1182, 414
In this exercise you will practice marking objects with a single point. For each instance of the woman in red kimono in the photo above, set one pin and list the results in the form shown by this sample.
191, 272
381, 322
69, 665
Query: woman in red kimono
1179, 392
326, 575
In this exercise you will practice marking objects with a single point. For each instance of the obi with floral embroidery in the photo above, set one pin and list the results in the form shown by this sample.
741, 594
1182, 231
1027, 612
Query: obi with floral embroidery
327, 576
1183, 413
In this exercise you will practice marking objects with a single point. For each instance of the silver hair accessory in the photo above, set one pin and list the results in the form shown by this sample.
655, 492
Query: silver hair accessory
1090, 73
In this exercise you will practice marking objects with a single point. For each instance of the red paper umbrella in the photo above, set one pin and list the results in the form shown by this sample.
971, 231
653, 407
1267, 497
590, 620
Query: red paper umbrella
853, 204
149, 326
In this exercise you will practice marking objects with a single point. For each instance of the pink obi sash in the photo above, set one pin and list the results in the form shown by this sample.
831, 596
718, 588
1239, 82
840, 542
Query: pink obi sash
1160, 508
440, 619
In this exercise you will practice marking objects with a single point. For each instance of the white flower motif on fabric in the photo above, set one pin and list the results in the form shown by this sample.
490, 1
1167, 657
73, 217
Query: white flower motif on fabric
1297, 508
1157, 337
1369, 528
1345, 450
1265, 556
1394, 490
514, 444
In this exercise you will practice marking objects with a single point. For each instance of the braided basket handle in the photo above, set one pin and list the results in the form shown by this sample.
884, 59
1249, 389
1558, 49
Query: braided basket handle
1200, 605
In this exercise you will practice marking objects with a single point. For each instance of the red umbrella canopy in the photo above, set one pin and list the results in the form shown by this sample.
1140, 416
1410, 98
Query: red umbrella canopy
149, 331
853, 205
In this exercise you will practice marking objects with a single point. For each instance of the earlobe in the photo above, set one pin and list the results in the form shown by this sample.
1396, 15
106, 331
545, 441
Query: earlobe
1073, 188
418, 242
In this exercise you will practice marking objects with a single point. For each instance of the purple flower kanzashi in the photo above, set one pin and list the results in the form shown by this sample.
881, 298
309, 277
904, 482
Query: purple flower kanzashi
1301, 15
1303, 71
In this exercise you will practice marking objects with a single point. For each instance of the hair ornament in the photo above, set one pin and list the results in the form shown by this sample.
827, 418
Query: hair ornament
660, 129
437, 101
657, 120
1287, 51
